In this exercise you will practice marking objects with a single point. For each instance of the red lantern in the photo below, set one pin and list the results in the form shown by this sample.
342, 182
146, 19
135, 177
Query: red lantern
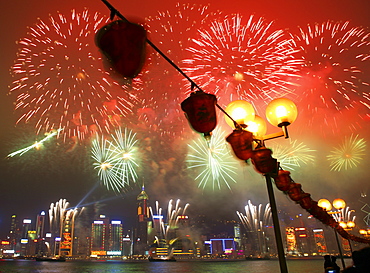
295, 191
318, 212
331, 222
241, 142
313, 207
283, 180
200, 109
263, 161
123, 43
306, 201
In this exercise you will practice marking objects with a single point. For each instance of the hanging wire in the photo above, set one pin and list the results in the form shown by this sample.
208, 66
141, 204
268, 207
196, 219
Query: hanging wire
114, 12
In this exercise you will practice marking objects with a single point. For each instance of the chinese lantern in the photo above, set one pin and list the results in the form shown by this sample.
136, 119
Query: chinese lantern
283, 180
295, 191
200, 110
306, 201
241, 142
318, 212
263, 161
123, 43
331, 222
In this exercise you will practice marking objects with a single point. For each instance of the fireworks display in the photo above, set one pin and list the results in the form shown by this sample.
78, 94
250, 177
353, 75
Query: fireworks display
61, 219
116, 159
164, 227
255, 218
348, 155
239, 58
37, 145
335, 73
103, 161
60, 80
255, 221
56, 214
163, 83
344, 215
64, 95
174, 211
212, 161
293, 154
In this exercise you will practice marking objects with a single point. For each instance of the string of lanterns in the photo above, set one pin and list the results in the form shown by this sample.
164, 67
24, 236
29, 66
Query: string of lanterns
294, 190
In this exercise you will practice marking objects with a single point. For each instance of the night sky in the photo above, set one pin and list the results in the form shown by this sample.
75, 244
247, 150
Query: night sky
31, 182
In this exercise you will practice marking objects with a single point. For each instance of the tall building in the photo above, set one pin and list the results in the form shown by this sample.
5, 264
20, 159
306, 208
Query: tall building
98, 237
303, 240
14, 232
40, 235
320, 243
25, 240
237, 235
141, 234
115, 241
127, 245
40, 225
291, 241
67, 233
27, 226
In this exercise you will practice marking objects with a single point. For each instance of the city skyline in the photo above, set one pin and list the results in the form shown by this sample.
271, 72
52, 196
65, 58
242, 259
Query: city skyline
104, 237
32, 181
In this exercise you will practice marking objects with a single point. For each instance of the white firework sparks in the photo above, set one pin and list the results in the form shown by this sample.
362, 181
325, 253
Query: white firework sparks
212, 161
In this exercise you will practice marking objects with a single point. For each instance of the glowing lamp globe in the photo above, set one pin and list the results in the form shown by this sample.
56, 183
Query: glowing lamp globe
281, 112
325, 204
257, 127
362, 232
351, 224
339, 203
241, 111
343, 224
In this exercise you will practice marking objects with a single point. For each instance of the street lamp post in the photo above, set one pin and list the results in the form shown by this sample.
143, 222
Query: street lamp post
248, 138
338, 204
275, 220
365, 232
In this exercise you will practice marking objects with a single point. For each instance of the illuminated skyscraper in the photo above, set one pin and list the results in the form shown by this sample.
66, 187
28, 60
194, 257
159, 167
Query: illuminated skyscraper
14, 232
291, 241
25, 240
98, 236
237, 235
40, 224
141, 234
127, 246
67, 233
303, 242
115, 238
40, 235
320, 242
26, 227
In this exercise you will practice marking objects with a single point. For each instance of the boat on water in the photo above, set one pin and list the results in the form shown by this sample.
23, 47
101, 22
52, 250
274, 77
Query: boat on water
161, 259
50, 259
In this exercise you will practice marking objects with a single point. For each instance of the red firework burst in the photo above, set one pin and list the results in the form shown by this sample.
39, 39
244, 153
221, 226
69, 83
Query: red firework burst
334, 81
164, 85
242, 59
60, 80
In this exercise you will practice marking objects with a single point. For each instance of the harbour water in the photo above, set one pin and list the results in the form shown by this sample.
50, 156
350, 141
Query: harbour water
201, 266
